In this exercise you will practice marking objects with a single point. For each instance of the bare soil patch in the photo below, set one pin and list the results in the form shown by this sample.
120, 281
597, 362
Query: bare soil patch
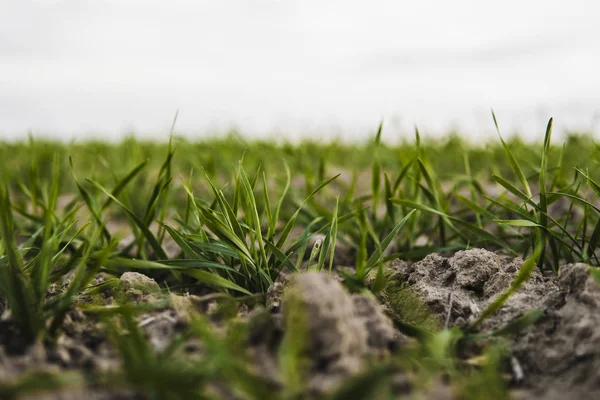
556, 357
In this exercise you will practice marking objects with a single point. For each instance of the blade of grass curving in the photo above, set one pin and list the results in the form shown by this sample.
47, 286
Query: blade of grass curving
33, 218
334, 231
377, 256
188, 202
435, 190
160, 187
87, 198
376, 173
479, 210
513, 161
543, 203
513, 189
214, 247
122, 184
228, 211
224, 233
255, 219
267, 211
273, 224
68, 243
300, 245
196, 208
216, 280
279, 255
121, 263
292, 221
481, 232
527, 216
160, 253
162, 183
403, 173
187, 250
519, 223
255, 177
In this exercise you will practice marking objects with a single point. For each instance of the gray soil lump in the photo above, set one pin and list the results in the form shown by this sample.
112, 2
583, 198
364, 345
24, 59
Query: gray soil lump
469, 282
560, 353
342, 328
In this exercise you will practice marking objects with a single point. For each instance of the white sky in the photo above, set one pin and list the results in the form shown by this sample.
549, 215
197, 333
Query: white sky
306, 67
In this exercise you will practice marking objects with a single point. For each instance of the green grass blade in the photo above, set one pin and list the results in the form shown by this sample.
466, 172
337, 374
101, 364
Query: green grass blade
277, 211
377, 256
158, 250
292, 221
513, 161
333, 232
122, 184
87, 199
216, 280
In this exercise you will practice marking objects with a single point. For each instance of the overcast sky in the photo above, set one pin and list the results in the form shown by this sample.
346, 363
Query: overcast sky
306, 67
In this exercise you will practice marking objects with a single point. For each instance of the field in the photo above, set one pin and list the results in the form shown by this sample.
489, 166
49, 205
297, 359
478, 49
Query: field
237, 269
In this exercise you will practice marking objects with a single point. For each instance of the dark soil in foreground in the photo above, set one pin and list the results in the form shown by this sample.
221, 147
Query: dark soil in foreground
556, 357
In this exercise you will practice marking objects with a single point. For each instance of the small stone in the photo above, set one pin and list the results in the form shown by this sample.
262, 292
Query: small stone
134, 281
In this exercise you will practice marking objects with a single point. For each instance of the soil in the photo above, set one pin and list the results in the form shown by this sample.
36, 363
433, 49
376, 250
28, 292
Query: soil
560, 353
556, 357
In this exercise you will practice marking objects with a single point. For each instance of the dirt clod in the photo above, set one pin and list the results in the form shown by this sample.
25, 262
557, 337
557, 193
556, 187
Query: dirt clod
560, 353
343, 329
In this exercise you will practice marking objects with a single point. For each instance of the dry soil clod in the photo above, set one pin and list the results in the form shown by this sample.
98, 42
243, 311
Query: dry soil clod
559, 355
343, 329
